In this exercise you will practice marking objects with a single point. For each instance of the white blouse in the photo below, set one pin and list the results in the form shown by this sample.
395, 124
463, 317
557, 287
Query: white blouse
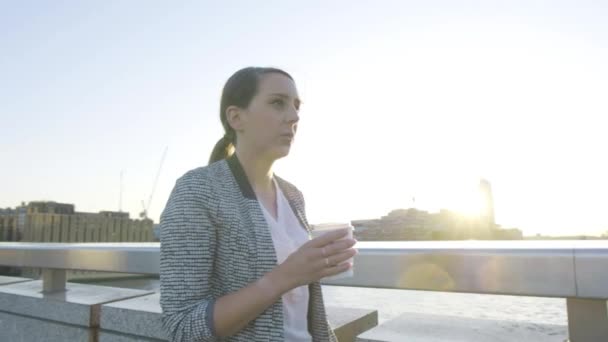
287, 236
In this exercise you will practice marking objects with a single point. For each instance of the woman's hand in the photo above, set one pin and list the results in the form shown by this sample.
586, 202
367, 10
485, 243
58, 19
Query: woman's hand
317, 258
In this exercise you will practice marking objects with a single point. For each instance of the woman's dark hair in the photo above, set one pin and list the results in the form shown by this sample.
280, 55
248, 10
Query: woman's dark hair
238, 91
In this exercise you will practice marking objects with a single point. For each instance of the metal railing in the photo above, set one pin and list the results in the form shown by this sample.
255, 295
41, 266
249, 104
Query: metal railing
575, 270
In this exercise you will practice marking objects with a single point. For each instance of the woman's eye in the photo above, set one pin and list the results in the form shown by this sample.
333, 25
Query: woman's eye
278, 102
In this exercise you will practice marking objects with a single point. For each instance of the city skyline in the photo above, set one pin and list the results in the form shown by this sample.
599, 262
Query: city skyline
401, 100
484, 217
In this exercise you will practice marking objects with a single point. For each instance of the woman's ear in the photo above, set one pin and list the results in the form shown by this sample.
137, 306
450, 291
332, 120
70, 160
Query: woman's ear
235, 117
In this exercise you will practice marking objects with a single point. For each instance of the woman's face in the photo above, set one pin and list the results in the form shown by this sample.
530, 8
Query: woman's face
270, 122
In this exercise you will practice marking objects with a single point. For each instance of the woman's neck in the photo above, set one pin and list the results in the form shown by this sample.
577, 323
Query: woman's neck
258, 170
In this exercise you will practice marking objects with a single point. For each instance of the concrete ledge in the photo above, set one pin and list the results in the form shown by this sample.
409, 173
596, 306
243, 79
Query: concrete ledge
4, 280
109, 336
77, 305
416, 327
139, 319
23, 328
91, 277
58, 313
348, 323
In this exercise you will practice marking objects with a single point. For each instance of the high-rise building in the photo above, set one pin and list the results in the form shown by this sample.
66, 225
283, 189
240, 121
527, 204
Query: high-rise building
486, 213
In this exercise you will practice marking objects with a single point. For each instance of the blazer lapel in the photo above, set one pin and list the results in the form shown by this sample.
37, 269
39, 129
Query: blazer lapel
240, 177
317, 319
295, 202
262, 244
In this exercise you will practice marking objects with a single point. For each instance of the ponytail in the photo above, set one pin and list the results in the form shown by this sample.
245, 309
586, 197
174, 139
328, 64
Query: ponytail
223, 149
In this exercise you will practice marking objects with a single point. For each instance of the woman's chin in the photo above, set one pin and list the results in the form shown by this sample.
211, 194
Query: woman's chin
281, 151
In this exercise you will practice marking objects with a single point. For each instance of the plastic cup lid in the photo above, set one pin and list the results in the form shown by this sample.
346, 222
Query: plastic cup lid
332, 225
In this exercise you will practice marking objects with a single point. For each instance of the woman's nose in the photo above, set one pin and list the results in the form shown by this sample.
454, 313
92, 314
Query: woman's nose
293, 115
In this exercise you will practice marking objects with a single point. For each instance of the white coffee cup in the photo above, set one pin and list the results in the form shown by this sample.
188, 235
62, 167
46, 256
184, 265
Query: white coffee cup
324, 228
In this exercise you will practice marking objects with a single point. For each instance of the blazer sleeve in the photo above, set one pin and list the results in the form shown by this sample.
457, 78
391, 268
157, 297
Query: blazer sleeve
187, 250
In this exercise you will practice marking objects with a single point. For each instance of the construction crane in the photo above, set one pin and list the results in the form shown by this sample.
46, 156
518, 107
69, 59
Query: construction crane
144, 214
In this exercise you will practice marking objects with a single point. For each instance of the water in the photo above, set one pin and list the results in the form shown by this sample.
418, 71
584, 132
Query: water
391, 303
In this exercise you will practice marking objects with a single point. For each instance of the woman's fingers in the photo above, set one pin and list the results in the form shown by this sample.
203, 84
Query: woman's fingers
336, 259
341, 257
337, 247
333, 270
323, 256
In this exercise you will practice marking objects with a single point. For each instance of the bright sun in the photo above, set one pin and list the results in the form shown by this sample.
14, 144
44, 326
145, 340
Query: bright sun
468, 204
472, 200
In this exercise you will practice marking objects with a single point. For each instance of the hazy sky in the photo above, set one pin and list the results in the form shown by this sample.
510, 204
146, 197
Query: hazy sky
401, 100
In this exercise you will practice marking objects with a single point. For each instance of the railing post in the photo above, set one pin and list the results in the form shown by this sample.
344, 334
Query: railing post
587, 320
53, 280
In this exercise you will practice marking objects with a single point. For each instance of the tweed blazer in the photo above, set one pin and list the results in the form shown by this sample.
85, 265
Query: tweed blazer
215, 241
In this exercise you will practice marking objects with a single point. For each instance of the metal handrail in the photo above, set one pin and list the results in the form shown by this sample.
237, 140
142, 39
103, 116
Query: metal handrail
575, 270
525, 268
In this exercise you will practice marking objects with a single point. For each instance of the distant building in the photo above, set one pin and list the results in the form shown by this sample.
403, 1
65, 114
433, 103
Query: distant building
8, 226
115, 214
156, 231
400, 224
50, 208
414, 224
487, 204
48, 221
508, 234
42, 221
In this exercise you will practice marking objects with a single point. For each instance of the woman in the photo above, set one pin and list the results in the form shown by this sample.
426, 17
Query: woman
237, 262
